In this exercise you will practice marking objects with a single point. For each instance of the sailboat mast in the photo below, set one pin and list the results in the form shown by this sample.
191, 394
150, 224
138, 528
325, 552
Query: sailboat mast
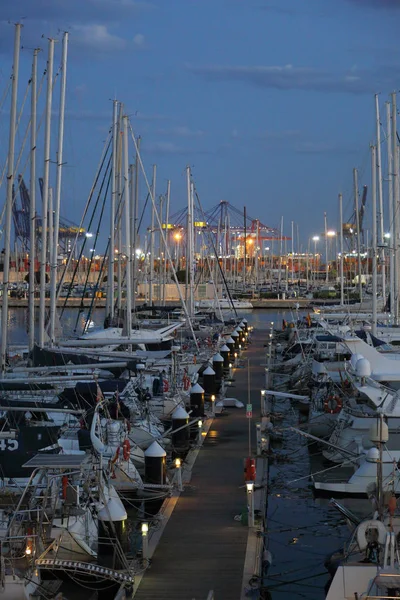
128, 252
135, 234
164, 288
54, 254
374, 238
380, 232
9, 199
244, 248
192, 252
341, 250
45, 198
355, 183
111, 258
396, 200
390, 201
32, 206
152, 232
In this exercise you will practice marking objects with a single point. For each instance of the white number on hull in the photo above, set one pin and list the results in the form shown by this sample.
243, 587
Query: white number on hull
9, 445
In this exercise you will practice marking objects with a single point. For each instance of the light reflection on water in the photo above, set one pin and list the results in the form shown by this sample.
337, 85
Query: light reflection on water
72, 322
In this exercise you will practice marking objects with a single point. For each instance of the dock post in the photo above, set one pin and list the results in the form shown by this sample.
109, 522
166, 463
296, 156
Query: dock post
178, 465
250, 502
145, 541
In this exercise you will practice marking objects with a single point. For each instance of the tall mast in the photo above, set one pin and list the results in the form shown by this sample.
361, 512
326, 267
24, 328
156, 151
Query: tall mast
341, 250
192, 252
32, 206
374, 238
135, 213
189, 242
54, 256
380, 231
396, 199
244, 249
128, 269
166, 239
355, 182
390, 202
111, 257
45, 199
9, 198
153, 210
326, 249
119, 212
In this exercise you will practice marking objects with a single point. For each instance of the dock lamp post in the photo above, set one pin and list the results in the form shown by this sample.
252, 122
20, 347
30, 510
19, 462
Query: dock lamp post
178, 466
145, 541
200, 427
213, 405
250, 502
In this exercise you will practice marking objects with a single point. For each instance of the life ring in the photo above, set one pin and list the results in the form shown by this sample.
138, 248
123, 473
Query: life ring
366, 526
126, 449
333, 404
165, 385
186, 382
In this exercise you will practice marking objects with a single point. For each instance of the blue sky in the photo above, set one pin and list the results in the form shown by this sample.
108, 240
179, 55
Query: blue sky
270, 101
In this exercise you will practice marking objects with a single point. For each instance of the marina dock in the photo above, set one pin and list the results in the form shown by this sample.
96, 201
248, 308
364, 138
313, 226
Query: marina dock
206, 545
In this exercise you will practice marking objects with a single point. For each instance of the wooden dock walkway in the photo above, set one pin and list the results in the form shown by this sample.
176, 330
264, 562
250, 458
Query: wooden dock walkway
203, 547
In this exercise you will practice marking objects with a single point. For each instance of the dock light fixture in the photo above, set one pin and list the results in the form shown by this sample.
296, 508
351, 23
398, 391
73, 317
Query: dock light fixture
178, 464
230, 365
213, 405
250, 502
200, 428
28, 550
145, 541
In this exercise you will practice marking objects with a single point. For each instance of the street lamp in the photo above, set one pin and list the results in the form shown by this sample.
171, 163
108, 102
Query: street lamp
177, 238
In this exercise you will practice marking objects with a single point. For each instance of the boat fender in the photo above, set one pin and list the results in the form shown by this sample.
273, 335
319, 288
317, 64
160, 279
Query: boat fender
186, 382
64, 486
165, 385
364, 527
333, 404
249, 469
126, 449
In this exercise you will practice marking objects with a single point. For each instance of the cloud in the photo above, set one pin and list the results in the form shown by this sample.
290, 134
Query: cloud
182, 131
93, 24
281, 135
288, 77
139, 40
76, 11
97, 38
378, 4
322, 148
164, 148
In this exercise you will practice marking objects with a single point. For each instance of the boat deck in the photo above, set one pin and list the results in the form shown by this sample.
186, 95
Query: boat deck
203, 546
